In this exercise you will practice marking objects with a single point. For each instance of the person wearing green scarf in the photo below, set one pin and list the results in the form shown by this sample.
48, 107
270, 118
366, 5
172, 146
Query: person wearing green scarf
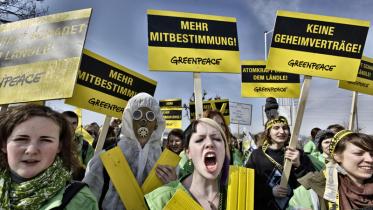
37, 161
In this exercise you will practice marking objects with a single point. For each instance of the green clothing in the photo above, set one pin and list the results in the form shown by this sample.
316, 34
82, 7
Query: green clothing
158, 198
309, 147
310, 194
237, 157
89, 151
84, 199
185, 165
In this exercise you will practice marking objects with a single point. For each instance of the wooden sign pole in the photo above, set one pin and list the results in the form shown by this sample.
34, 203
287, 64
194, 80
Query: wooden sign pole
198, 94
295, 132
103, 133
353, 111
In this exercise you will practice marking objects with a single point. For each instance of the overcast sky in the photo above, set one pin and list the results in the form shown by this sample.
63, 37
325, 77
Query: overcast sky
118, 31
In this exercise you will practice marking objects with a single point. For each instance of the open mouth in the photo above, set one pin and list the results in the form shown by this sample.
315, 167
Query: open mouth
210, 162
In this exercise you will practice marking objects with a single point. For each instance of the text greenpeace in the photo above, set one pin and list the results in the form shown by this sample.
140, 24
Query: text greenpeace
311, 65
270, 89
106, 105
195, 60
20, 80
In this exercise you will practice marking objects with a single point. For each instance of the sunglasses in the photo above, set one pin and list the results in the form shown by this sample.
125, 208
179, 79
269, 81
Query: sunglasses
149, 115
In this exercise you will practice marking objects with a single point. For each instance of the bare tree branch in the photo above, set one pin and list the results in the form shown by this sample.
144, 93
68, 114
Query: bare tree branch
13, 10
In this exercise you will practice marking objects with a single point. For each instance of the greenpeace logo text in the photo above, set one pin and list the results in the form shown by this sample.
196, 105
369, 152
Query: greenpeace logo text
270, 89
195, 60
311, 65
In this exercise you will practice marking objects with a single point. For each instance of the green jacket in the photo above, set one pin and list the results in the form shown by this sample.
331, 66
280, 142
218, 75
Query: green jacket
84, 199
158, 198
309, 147
310, 194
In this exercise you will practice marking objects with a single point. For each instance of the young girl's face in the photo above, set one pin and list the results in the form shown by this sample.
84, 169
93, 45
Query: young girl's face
357, 162
207, 150
32, 146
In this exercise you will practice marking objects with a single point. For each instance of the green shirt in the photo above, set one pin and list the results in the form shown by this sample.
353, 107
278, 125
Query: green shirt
84, 199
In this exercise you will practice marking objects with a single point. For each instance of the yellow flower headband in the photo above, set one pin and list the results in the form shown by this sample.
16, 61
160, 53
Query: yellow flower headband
280, 119
337, 137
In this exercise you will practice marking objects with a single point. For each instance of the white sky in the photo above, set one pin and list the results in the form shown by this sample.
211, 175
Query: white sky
118, 31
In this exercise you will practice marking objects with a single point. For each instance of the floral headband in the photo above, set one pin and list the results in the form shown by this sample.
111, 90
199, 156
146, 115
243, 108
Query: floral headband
337, 137
281, 119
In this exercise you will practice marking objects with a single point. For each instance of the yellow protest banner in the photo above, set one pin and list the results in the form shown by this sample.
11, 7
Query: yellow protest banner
105, 87
152, 182
257, 81
219, 105
179, 41
128, 189
240, 194
181, 200
173, 117
364, 80
171, 103
172, 112
35, 61
317, 45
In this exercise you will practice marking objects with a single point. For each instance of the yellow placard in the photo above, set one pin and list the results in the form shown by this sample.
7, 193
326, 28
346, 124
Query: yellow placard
257, 81
179, 41
182, 201
364, 80
153, 181
123, 179
105, 87
171, 103
173, 117
240, 195
219, 105
35, 62
316, 45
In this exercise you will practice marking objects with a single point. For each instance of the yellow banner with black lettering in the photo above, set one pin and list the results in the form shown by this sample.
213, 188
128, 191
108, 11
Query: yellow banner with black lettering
257, 81
220, 105
173, 117
317, 45
172, 112
105, 87
35, 61
364, 81
180, 41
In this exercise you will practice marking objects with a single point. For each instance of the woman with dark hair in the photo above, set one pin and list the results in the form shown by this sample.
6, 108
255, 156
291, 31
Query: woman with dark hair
174, 140
347, 181
206, 146
268, 162
235, 153
37, 161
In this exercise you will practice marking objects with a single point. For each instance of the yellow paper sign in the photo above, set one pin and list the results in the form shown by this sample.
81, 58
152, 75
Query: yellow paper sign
152, 182
182, 201
262, 83
35, 61
105, 87
240, 195
123, 179
219, 105
316, 45
172, 112
179, 41
364, 80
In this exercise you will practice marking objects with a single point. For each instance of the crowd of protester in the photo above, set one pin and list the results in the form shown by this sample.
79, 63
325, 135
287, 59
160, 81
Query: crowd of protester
45, 164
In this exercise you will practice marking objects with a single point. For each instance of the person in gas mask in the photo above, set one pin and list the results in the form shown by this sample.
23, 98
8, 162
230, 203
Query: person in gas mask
140, 142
